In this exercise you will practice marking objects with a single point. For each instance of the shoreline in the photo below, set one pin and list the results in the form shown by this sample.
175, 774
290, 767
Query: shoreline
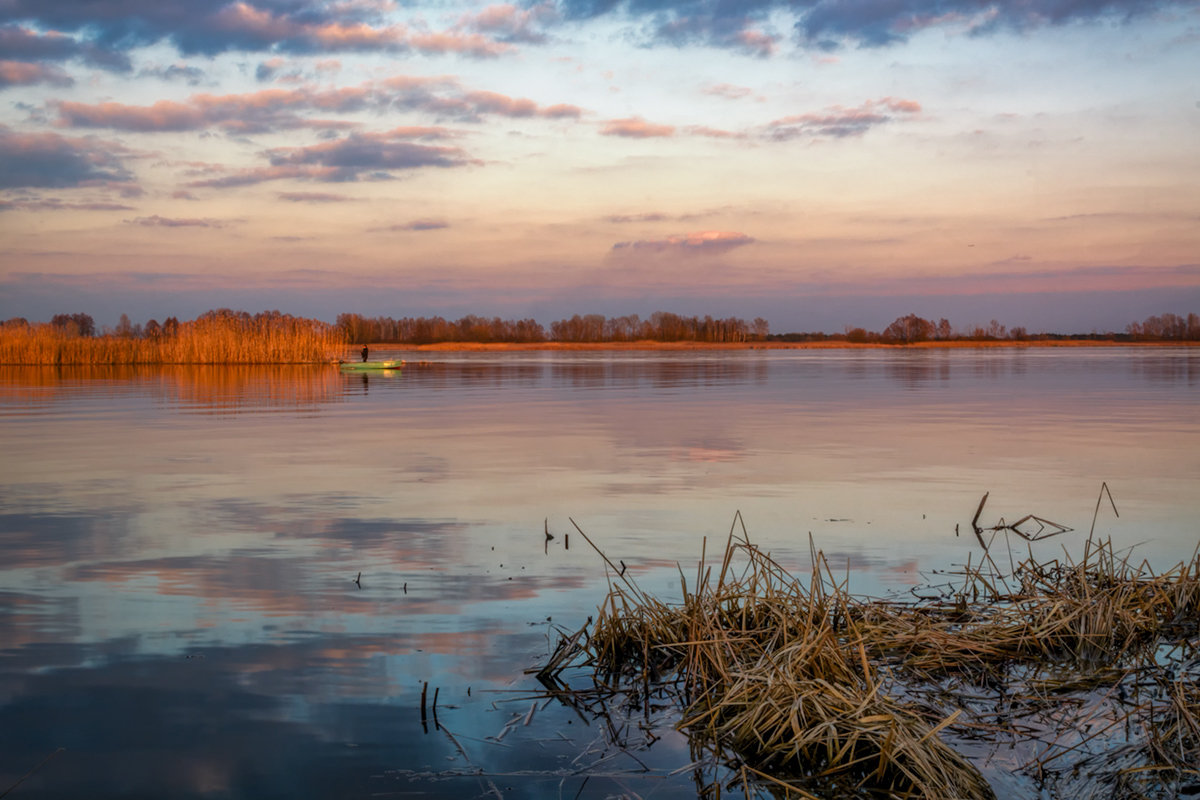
701, 346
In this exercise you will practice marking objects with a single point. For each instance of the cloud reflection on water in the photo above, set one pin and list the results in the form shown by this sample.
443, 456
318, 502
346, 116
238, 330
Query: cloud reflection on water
160, 514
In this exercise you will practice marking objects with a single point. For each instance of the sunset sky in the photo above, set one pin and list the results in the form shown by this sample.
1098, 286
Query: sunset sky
820, 163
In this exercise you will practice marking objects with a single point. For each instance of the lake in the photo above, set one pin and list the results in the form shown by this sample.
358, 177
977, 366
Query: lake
179, 546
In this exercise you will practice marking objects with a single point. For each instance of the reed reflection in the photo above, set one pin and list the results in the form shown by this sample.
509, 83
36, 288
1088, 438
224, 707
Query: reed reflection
224, 389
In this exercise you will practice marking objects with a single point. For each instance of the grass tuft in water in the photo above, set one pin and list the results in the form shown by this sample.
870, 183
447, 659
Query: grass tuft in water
1084, 671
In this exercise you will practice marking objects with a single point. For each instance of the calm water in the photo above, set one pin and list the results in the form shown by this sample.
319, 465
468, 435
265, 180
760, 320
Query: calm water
179, 546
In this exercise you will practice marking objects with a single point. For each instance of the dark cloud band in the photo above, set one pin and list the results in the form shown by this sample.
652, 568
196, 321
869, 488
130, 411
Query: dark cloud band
48, 160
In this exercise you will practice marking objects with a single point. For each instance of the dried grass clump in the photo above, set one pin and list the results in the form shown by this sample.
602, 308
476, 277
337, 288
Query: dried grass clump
1087, 667
778, 672
1097, 613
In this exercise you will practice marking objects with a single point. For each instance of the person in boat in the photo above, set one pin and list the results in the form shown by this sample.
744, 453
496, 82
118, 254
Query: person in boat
364, 352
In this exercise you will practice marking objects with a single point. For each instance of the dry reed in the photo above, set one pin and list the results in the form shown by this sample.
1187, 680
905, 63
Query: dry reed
215, 339
818, 692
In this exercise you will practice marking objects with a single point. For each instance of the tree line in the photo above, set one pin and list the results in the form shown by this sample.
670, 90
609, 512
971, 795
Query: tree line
912, 329
661, 326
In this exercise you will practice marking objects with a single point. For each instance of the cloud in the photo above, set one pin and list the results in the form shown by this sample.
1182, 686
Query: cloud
728, 90
839, 122
828, 24
101, 32
734, 26
54, 204
359, 156
699, 242
511, 24
653, 216
636, 128
190, 75
26, 44
505, 106
361, 152
313, 197
834, 122
287, 108
416, 225
266, 70
885, 22
165, 115
265, 110
112, 27
25, 73
714, 133
756, 42
170, 222
48, 160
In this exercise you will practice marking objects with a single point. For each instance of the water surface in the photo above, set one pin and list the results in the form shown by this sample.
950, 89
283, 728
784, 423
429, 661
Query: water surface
179, 545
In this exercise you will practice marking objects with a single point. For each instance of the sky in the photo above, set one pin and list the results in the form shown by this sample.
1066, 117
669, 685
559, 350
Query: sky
823, 164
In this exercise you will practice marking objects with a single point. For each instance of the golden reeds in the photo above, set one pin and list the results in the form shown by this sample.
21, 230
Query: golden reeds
819, 691
211, 339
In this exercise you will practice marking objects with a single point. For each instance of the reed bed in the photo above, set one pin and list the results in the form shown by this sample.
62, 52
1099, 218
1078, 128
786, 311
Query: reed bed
228, 339
1086, 668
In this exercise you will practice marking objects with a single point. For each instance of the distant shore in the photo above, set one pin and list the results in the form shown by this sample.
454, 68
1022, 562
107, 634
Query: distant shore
827, 345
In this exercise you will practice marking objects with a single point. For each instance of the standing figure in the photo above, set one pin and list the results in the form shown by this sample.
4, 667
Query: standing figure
364, 352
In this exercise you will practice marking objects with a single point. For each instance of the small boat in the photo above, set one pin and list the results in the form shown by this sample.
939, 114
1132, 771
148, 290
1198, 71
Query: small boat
369, 366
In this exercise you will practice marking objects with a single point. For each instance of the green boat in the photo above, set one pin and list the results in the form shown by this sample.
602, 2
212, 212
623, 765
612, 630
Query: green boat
369, 366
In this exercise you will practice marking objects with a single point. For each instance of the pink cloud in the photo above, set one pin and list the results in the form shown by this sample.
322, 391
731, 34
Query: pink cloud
839, 122
246, 19
241, 20
728, 91
359, 36
466, 44
501, 104
560, 111
756, 42
509, 22
24, 73
495, 103
714, 133
165, 115
636, 128
284, 109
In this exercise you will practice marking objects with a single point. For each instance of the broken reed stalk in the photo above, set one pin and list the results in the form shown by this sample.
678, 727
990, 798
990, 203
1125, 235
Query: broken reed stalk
1103, 490
819, 689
